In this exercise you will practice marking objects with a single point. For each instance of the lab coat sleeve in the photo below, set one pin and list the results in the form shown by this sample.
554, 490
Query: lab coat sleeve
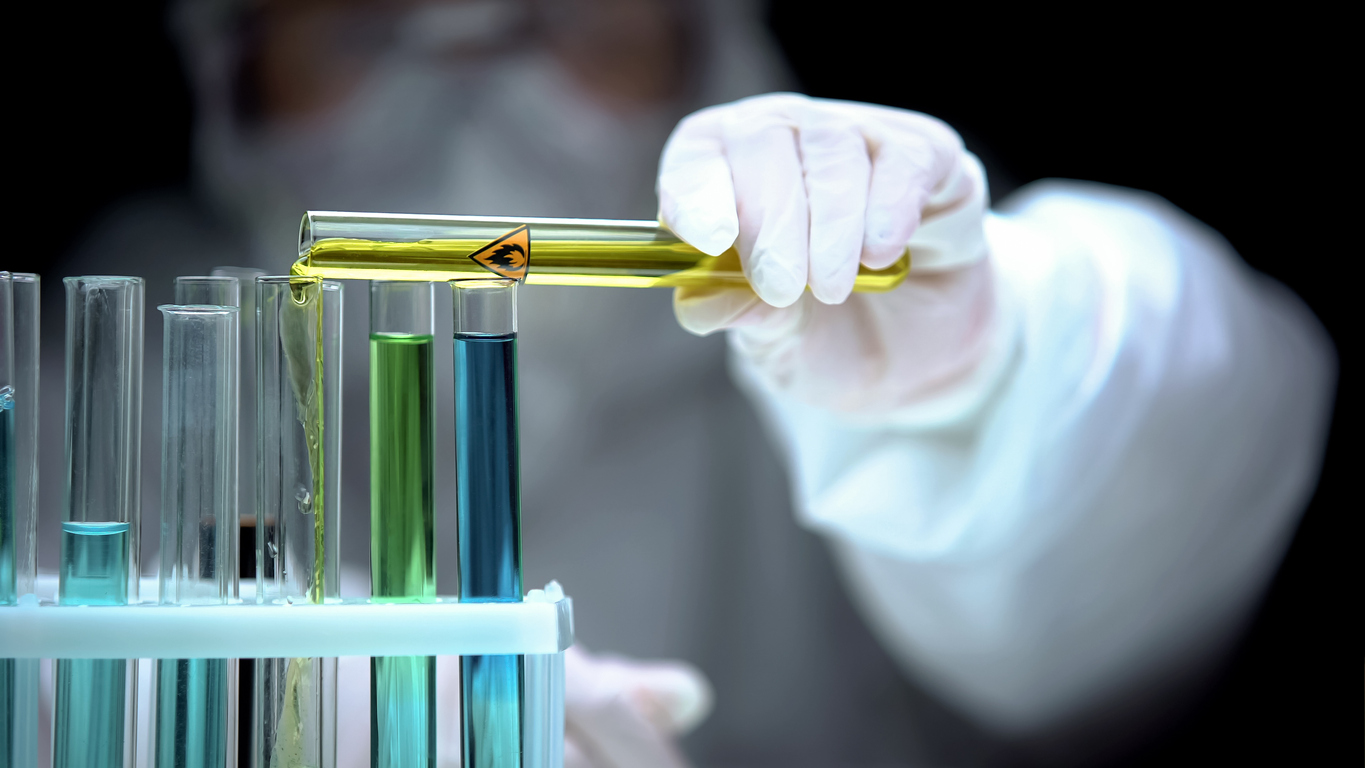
1106, 498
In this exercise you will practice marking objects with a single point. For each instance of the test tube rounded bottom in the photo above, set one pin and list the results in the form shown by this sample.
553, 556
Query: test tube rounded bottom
92, 694
491, 693
8, 706
403, 711
192, 708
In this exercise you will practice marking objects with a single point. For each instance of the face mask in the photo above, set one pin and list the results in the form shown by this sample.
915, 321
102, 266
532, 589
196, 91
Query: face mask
510, 134
381, 150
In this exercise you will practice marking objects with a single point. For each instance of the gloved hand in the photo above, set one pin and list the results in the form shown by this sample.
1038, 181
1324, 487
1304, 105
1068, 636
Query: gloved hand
621, 713
807, 189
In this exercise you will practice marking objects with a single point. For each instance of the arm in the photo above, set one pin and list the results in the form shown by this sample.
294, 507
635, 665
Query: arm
1056, 473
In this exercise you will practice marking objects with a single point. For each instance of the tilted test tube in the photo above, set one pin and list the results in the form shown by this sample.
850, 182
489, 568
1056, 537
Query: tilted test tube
402, 512
488, 499
96, 699
195, 699
298, 455
19, 296
601, 252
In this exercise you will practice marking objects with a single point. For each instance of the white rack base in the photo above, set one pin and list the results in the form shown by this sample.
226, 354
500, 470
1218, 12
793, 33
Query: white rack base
246, 631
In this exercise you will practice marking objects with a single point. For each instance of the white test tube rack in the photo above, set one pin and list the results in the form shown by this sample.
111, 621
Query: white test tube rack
540, 628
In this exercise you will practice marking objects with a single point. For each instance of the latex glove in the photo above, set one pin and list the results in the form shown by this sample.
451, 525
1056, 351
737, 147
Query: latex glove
622, 713
806, 190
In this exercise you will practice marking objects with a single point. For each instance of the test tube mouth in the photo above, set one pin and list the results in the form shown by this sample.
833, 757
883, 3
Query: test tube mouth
101, 280
198, 309
306, 234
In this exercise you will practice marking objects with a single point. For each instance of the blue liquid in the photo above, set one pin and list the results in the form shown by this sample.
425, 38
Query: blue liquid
488, 494
191, 713
89, 731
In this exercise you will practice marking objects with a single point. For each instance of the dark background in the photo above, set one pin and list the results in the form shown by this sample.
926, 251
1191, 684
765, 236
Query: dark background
1234, 121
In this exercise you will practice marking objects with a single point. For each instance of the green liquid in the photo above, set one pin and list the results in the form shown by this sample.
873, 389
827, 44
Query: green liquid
191, 713
88, 732
402, 540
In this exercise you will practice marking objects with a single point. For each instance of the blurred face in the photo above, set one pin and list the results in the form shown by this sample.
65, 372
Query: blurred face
625, 51
304, 57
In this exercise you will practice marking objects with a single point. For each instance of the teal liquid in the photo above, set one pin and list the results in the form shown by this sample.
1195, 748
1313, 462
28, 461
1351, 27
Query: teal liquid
488, 492
403, 711
7, 570
8, 554
191, 713
402, 540
88, 732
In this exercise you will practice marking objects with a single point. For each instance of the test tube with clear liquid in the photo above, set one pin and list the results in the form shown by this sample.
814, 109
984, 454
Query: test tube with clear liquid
488, 499
96, 699
298, 456
19, 318
402, 512
194, 711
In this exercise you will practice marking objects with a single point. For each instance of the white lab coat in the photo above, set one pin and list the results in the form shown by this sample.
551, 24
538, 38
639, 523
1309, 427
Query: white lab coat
1101, 504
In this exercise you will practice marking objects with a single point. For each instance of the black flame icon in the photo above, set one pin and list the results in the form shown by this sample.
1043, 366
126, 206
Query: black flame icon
504, 256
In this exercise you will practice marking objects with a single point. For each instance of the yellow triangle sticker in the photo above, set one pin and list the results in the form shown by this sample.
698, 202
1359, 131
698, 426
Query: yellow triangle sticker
509, 256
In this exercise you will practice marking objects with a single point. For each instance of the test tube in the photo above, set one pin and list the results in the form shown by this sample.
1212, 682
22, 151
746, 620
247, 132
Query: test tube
195, 698
19, 295
488, 506
96, 699
298, 456
246, 474
402, 512
605, 252
246, 434
222, 291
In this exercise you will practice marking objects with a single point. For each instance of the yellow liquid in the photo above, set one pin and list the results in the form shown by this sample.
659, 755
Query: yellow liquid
641, 263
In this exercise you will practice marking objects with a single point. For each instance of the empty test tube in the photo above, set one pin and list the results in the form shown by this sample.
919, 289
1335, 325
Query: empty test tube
402, 513
246, 463
95, 710
298, 449
225, 291
214, 290
19, 295
246, 429
488, 499
195, 710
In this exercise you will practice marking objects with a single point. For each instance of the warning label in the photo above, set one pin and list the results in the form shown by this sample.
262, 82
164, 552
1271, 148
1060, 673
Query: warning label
508, 256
